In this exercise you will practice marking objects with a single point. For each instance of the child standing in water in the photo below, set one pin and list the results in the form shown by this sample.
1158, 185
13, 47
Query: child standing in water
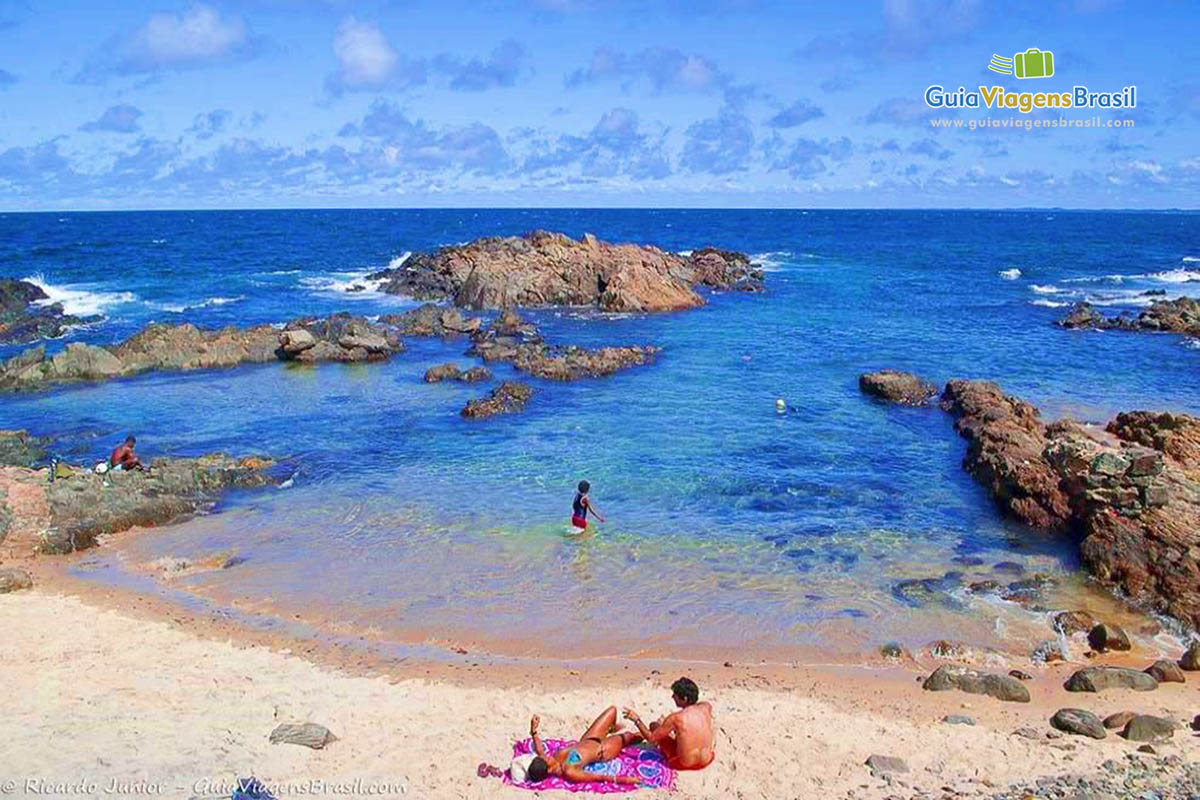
581, 507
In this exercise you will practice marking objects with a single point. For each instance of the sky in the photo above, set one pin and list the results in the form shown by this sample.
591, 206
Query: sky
677, 103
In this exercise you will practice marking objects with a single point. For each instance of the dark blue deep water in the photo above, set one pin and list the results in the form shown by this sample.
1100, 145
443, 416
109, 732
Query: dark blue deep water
730, 525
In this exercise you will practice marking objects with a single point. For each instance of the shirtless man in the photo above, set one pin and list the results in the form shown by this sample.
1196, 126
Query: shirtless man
596, 744
123, 458
685, 738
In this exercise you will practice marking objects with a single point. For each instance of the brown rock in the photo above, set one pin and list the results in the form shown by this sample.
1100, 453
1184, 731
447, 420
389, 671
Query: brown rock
1005, 439
954, 676
902, 388
1165, 671
1072, 622
508, 398
14, 579
1145, 728
1191, 658
308, 734
550, 269
1106, 636
1119, 719
442, 372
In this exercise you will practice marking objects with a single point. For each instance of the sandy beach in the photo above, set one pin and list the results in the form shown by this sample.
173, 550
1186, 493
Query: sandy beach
110, 701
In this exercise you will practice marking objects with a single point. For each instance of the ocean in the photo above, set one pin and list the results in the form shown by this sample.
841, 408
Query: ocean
731, 527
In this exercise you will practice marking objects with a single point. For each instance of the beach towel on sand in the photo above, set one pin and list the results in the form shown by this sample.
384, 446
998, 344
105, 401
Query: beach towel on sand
634, 760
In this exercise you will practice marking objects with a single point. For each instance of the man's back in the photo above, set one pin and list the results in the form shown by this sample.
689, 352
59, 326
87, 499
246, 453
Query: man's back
693, 736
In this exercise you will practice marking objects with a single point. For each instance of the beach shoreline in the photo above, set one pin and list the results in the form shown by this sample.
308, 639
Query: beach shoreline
183, 701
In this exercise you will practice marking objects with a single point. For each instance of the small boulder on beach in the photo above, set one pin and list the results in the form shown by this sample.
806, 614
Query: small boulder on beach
1145, 728
1119, 719
964, 679
884, 765
1165, 671
1191, 659
1105, 636
308, 734
1097, 679
1079, 722
14, 579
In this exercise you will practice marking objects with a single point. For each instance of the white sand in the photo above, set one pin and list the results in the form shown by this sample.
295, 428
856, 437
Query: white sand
91, 695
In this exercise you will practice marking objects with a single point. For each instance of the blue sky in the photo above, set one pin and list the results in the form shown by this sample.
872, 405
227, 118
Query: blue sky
289, 103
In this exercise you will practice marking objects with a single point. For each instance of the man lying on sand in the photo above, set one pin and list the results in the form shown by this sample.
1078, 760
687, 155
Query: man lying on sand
600, 742
685, 738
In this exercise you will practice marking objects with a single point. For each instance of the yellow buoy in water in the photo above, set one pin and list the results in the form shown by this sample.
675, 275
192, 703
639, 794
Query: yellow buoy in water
780, 406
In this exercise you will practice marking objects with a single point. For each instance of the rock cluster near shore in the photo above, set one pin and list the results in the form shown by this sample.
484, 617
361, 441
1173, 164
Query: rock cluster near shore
339, 337
902, 388
552, 269
69, 513
26, 317
1131, 492
1181, 315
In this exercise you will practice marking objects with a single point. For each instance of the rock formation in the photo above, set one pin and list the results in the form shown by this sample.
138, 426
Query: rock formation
1181, 315
1131, 492
902, 388
69, 513
551, 269
507, 398
339, 337
26, 317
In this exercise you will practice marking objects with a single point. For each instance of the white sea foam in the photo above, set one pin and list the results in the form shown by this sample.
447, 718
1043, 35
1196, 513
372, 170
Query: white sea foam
1041, 301
772, 260
1192, 343
353, 284
80, 301
179, 308
1190, 259
1175, 276
1047, 289
1009, 274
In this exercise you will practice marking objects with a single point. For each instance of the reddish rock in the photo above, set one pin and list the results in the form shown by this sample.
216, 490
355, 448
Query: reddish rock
902, 388
551, 269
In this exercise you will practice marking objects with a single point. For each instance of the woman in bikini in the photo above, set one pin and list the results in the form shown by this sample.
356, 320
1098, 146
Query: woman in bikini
599, 742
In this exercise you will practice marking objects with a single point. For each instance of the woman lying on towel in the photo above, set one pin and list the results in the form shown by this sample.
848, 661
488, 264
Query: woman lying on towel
598, 743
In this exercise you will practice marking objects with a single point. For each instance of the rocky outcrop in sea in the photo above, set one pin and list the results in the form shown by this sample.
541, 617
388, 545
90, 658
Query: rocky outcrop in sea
1181, 315
339, 337
552, 269
69, 513
1131, 492
26, 317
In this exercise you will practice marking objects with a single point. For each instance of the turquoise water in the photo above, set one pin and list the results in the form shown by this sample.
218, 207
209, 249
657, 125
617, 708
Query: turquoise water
730, 525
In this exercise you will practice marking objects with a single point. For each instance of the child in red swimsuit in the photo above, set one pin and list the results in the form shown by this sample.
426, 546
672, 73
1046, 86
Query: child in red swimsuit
581, 507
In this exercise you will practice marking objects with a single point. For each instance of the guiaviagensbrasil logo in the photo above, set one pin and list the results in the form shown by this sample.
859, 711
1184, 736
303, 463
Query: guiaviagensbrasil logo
1033, 63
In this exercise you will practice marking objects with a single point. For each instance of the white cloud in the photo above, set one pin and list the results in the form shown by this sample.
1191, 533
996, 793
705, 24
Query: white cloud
199, 35
365, 58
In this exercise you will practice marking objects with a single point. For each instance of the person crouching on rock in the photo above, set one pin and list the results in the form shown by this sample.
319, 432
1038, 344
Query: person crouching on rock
123, 459
581, 507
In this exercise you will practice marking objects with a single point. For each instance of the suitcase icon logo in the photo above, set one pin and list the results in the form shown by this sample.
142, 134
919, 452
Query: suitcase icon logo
1033, 63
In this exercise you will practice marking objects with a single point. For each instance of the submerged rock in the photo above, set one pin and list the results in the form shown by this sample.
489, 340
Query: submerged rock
19, 449
1079, 722
953, 676
509, 397
902, 388
1097, 679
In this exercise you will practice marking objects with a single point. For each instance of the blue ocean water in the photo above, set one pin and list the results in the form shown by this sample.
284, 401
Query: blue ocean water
729, 525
